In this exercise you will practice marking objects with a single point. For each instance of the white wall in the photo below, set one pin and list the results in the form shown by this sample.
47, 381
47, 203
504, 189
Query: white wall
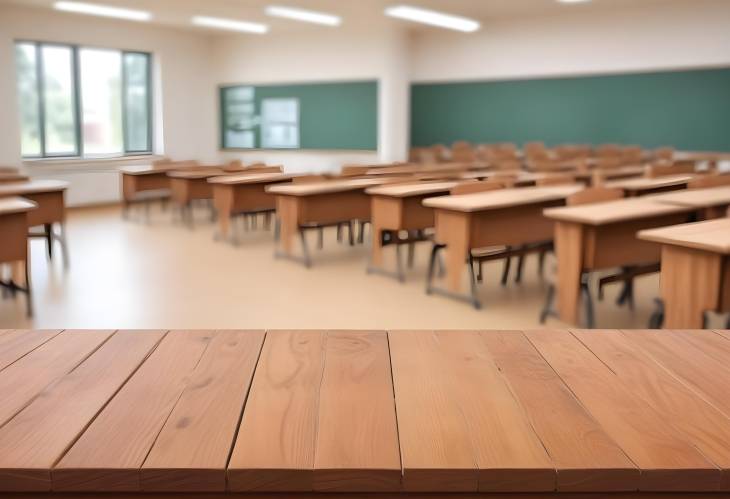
682, 34
325, 55
185, 116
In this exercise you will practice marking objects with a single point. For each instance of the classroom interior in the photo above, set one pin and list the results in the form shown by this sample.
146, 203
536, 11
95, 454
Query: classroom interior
230, 165
364, 249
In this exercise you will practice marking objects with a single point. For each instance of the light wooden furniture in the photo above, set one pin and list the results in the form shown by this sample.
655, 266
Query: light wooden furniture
315, 205
676, 168
349, 414
14, 248
603, 236
398, 208
695, 277
709, 203
243, 194
556, 179
706, 181
10, 177
187, 186
49, 195
508, 217
599, 176
146, 184
642, 186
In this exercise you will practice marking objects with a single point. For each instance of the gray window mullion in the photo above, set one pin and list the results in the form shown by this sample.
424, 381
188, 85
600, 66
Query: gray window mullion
76, 70
41, 105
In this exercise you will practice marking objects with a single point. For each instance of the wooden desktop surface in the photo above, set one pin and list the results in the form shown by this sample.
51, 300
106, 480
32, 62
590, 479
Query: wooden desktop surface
411, 189
250, 178
645, 184
196, 174
327, 187
696, 198
13, 205
146, 412
502, 198
614, 211
32, 187
711, 235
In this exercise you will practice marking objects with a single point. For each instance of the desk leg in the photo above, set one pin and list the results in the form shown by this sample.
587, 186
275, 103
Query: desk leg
453, 230
376, 251
223, 201
287, 210
690, 286
569, 252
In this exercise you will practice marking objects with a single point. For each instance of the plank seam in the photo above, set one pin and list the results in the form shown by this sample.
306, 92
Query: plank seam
319, 401
395, 406
59, 331
243, 407
101, 409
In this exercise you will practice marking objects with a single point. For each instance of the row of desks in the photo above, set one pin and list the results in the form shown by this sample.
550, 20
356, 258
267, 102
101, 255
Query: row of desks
353, 412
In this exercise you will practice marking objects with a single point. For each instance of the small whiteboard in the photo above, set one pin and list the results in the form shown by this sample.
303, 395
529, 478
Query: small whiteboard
280, 123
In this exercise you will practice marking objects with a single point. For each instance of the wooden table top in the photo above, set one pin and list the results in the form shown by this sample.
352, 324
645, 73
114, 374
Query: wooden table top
646, 184
326, 187
12, 205
711, 235
424, 168
609, 212
251, 178
364, 411
158, 168
697, 198
502, 198
197, 173
411, 189
32, 187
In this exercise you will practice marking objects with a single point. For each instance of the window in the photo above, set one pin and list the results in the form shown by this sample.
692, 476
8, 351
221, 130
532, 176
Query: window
280, 123
77, 101
239, 119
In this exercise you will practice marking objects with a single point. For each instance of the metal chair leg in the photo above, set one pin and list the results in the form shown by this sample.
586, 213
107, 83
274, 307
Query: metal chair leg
590, 317
277, 229
64, 245
351, 233
473, 284
49, 239
339, 233
305, 249
547, 309
520, 265
480, 271
656, 321
399, 264
28, 294
411, 254
361, 232
505, 270
320, 238
541, 264
435, 249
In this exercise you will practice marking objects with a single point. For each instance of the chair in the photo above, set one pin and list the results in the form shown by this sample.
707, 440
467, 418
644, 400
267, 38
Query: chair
463, 152
707, 181
677, 168
556, 179
586, 196
663, 153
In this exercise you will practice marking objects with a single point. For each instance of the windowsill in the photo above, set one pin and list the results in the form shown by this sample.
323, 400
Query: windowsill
87, 164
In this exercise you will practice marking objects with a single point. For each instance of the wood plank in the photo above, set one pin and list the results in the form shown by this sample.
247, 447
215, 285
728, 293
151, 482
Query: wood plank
357, 438
705, 374
15, 344
460, 426
191, 452
724, 333
40, 434
707, 428
111, 451
586, 458
276, 440
668, 462
26, 378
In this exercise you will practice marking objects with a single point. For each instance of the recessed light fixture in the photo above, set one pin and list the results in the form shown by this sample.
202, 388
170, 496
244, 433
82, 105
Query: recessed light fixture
103, 10
230, 24
308, 16
433, 18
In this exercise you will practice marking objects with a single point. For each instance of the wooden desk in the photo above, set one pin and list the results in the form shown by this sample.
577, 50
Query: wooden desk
397, 208
244, 193
49, 196
695, 270
314, 205
642, 186
191, 185
603, 235
507, 217
6, 178
710, 203
318, 414
14, 248
414, 169
146, 183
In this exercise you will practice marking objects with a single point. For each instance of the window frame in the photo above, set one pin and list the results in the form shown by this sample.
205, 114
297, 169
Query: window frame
77, 104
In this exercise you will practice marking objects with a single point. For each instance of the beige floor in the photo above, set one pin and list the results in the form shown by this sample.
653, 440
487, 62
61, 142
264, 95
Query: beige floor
160, 275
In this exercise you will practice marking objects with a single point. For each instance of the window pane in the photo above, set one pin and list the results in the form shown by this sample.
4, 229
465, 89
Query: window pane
239, 117
136, 102
30, 123
101, 101
58, 100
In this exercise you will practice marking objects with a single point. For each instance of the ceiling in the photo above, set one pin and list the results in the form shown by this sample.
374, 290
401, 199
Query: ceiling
363, 12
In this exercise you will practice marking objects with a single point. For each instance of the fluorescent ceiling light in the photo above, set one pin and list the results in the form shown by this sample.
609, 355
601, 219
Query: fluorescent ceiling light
432, 18
103, 10
308, 16
230, 24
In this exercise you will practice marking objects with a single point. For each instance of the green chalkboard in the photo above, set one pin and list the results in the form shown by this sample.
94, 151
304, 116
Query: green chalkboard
341, 115
689, 110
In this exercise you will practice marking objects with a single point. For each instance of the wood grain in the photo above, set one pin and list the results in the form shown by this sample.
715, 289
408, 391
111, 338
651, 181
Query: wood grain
191, 452
585, 457
40, 434
111, 451
357, 438
667, 460
26, 378
275, 447
15, 344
